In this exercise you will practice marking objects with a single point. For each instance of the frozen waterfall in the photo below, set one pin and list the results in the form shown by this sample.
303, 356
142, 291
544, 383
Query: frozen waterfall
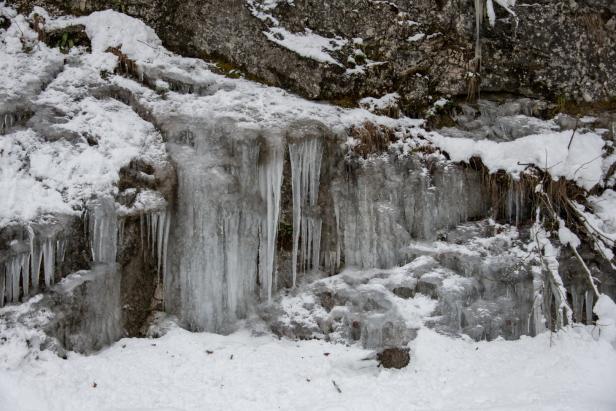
223, 253
305, 159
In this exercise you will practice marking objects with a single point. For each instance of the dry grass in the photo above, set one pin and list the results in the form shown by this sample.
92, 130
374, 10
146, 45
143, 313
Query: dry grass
373, 138
126, 66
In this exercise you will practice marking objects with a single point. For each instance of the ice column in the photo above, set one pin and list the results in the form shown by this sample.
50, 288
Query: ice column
270, 183
305, 159
218, 224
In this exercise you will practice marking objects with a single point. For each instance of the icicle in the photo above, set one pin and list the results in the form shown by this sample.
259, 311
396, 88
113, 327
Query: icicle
29, 271
162, 216
154, 226
589, 297
141, 229
60, 250
36, 260
25, 273
154, 232
121, 223
3, 275
270, 182
14, 275
103, 231
49, 262
305, 159
165, 243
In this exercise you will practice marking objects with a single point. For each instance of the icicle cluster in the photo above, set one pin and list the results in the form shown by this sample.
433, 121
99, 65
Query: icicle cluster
305, 159
379, 209
155, 227
224, 238
216, 236
20, 274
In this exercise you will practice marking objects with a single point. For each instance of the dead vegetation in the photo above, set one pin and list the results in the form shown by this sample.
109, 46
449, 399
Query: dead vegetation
373, 138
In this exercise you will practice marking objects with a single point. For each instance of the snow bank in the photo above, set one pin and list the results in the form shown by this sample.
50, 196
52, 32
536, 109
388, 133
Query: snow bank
182, 370
581, 163
23, 73
109, 28
24, 196
605, 309
76, 144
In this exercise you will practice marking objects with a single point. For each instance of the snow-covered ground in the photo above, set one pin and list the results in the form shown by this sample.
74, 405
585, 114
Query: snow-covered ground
192, 371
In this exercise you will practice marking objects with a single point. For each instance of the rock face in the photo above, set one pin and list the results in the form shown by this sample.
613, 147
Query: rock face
563, 50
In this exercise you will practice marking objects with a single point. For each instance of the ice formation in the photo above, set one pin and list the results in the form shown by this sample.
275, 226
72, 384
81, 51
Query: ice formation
228, 140
381, 207
226, 222
20, 273
103, 231
270, 180
154, 231
305, 157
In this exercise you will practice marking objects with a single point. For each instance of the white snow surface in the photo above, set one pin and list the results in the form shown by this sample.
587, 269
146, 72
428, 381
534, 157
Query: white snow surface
605, 309
307, 44
383, 102
195, 371
582, 162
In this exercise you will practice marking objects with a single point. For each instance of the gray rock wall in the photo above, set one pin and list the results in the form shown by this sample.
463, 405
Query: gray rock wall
563, 50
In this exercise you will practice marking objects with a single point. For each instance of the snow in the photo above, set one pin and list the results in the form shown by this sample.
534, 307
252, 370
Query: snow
112, 29
416, 37
581, 163
76, 143
58, 176
383, 102
566, 236
606, 311
506, 4
182, 370
604, 207
307, 44
23, 74
23, 195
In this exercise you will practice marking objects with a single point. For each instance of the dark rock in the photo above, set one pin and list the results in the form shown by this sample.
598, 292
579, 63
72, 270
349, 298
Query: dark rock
327, 301
563, 50
394, 357
429, 286
404, 292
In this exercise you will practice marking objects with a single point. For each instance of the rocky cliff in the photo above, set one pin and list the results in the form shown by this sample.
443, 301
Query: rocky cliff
343, 50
